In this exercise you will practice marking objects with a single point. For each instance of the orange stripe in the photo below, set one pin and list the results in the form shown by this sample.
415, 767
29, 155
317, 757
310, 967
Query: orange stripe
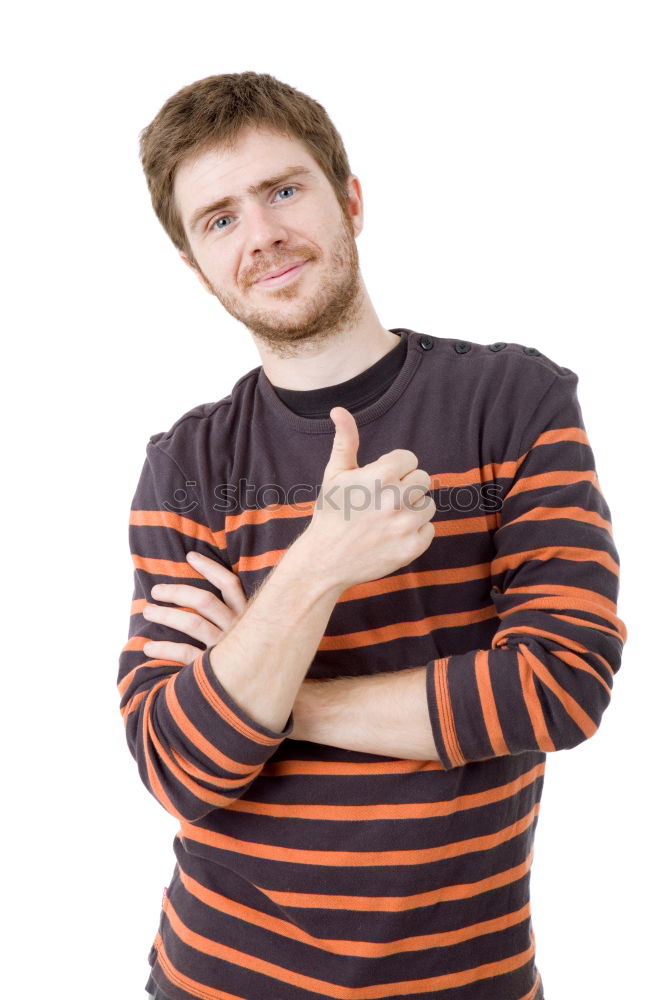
266, 515
588, 624
195, 737
133, 703
166, 567
568, 552
135, 644
579, 593
341, 946
154, 782
531, 699
130, 676
580, 717
203, 794
388, 811
580, 664
357, 859
562, 588
564, 513
467, 525
287, 768
271, 512
221, 707
400, 630
501, 639
416, 581
551, 437
305, 508
488, 706
176, 522
475, 476
199, 775
445, 712
561, 434
557, 477
191, 986
323, 987
401, 904
570, 605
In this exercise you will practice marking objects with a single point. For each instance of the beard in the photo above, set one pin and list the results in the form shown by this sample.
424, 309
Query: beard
334, 306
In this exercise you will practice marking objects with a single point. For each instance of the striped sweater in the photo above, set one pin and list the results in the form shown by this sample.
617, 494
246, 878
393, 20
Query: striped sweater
305, 870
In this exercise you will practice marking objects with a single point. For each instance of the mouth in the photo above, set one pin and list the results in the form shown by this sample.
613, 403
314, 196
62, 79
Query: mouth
283, 276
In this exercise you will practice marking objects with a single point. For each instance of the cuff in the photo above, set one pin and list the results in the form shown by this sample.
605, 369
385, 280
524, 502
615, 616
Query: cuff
240, 719
441, 714
214, 724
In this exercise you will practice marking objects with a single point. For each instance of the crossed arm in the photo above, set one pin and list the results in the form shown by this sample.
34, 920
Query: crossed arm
385, 714
542, 685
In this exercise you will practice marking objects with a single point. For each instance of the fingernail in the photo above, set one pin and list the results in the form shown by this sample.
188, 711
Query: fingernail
193, 556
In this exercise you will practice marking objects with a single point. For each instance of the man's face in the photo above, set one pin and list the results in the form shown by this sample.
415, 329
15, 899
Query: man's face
294, 220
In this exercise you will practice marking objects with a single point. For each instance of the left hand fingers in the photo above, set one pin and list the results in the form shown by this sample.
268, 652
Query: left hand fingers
184, 621
198, 599
180, 652
224, 579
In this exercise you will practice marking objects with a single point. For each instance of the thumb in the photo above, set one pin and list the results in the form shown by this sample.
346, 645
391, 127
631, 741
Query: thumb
344, 450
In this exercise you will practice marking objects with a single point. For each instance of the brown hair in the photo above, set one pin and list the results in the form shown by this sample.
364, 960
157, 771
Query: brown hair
212, 112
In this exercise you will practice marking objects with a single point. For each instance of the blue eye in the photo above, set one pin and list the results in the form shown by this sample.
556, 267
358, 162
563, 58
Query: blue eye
214, 224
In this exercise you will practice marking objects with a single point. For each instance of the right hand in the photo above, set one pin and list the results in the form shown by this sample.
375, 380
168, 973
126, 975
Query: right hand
383, 520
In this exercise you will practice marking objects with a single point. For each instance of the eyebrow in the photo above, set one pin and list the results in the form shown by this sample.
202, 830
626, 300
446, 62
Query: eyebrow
269, 182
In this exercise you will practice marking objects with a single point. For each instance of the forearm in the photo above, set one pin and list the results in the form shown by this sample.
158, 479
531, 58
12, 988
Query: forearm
263, 659
385, 714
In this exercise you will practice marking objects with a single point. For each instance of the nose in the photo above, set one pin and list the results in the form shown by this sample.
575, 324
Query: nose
264, 228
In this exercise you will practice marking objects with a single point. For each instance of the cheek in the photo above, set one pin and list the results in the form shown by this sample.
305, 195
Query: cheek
222, 270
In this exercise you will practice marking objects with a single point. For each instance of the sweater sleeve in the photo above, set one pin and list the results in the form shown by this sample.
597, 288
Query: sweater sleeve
547, 678
195, 748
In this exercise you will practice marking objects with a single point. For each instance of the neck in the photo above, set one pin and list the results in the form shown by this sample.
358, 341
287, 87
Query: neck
341, 355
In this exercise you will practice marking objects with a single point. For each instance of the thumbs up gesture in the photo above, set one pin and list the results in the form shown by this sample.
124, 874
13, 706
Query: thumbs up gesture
368, 521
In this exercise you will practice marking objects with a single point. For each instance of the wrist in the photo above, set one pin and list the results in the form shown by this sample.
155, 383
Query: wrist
305, 557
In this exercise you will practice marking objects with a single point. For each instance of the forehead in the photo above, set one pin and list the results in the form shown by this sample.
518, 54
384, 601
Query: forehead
220, 172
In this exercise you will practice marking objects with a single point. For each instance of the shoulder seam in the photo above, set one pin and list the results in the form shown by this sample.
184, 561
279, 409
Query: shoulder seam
155, 444
522, 450
216, 405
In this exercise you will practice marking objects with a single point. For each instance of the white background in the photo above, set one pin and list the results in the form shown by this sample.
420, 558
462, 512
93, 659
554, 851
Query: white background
512, 161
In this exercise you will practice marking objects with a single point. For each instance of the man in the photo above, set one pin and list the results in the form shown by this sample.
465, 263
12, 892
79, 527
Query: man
343, 689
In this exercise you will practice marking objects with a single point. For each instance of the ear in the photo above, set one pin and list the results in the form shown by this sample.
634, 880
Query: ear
355, 202
193, 267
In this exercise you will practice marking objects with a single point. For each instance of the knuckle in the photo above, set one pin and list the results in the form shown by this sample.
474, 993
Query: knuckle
192, 623
208, 600
229, 582
409, 456
227, 576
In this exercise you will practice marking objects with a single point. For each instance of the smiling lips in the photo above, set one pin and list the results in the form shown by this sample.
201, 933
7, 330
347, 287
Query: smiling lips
282, 275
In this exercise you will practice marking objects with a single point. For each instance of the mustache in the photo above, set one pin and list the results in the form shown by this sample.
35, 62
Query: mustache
274, 264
